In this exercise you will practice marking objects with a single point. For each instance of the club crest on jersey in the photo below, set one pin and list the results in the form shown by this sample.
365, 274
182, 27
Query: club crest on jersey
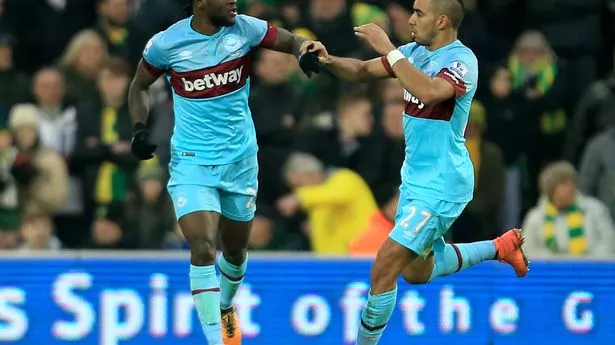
231, 43
212, 80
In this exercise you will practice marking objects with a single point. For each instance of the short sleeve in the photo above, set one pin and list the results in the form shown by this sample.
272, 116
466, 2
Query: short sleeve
461, 72
406, 49
259, 32
155, 56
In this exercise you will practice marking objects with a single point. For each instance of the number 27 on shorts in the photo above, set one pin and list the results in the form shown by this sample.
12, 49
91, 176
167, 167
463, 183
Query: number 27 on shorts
409, 220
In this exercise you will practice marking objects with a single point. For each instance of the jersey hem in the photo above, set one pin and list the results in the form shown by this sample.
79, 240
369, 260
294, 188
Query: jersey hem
204, 161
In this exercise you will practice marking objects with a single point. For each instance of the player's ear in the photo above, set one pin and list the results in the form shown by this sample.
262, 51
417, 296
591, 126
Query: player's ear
441, 22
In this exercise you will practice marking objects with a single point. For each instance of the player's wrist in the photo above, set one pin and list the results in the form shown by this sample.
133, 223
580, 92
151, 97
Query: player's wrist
394, 56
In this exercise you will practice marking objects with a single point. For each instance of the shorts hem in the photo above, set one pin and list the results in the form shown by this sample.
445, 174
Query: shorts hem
237, 218
409, 246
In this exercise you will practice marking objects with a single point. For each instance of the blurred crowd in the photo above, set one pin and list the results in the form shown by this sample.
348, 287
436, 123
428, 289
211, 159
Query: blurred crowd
541, 133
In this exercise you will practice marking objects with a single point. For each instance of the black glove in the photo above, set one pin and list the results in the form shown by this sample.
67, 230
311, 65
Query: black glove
309, 63
140, 144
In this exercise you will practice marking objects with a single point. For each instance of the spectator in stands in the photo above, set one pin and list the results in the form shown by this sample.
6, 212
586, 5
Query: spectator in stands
505, 128
9, 202
393, 151
150, 213
58, 118
274, 101
573, 29
58, 131
113, 26
565, 221
338, 203
331, 22
597, 173
350, 142
108, 228
399, 12
37, 232
591, 117
103, 140
15, 84
82, 60
478, 222
381, 222
541, 82
40, 173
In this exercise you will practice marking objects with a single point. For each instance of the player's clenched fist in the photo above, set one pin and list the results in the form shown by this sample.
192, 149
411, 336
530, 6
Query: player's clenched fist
313, 53
375, 36
140, 145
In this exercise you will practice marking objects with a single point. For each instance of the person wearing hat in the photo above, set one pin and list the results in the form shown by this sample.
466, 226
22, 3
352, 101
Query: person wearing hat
109, 228
478, 221
41, 175
15, 85
150, 213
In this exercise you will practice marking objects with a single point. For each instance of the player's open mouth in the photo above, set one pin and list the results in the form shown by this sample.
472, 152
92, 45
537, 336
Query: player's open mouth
233, 11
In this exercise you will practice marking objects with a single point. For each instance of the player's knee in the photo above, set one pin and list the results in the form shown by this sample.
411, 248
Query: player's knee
414, 278
203, 251
235, 257
419, 271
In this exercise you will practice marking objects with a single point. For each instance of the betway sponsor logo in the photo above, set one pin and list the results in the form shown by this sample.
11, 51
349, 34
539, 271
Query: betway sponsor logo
212, 80
408, 97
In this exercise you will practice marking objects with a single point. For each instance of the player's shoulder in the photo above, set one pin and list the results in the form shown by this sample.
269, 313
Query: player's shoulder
173, 33
459, 51
408, 49
247, 21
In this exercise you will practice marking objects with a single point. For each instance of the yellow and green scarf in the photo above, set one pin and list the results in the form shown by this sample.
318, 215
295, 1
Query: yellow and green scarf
550, 122
577, 244
111, 184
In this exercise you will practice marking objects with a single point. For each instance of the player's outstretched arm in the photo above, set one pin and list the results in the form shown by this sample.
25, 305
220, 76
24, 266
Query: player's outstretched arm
345, 68
138, 102
355, 70
429, 90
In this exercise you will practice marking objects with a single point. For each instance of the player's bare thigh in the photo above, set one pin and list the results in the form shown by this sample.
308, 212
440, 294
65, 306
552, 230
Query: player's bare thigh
234, 236
199, 229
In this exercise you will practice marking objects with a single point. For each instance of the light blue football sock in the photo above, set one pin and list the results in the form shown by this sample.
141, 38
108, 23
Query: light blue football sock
376, 313
206, 294
231, 277
457, 257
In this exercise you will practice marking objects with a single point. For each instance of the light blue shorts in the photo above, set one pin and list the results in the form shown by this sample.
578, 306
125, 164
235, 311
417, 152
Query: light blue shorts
228, 189
420, 225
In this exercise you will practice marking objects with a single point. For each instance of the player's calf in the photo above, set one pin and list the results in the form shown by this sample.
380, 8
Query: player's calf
389, 263
199, 228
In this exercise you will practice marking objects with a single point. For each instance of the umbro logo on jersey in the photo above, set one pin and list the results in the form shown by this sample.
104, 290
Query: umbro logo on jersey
213, 79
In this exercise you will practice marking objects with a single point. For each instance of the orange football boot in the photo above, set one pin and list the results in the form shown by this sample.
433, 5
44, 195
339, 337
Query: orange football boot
509, 250
231, 332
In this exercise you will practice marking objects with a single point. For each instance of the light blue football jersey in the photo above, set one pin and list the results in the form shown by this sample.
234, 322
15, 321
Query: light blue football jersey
437, 163
210, 78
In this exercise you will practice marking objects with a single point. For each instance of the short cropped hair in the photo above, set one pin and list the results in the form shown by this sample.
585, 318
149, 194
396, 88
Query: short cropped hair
453, 9
302, 163
555, 174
